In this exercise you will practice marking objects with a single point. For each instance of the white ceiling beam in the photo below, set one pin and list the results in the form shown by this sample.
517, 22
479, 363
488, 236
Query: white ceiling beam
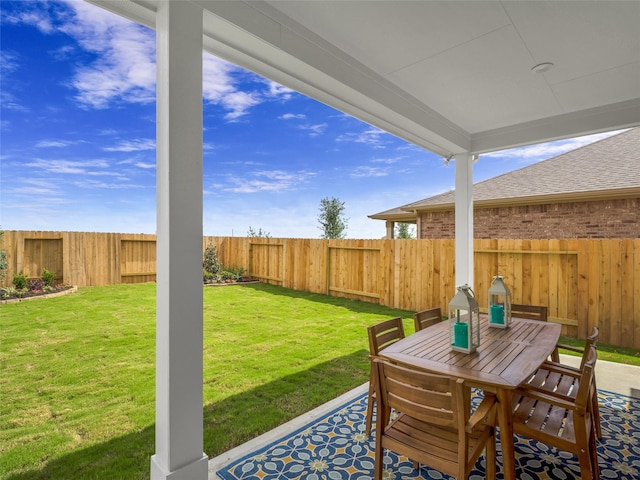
244, 35
141, 11
569, 125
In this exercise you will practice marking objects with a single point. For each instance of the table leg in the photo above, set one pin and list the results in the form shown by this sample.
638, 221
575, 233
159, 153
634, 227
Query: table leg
506, 434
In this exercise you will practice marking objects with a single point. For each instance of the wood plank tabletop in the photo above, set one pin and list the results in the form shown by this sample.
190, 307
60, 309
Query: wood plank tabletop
504, 359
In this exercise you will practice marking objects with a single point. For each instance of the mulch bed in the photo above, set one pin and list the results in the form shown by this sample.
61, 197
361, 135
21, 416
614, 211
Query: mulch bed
32, 295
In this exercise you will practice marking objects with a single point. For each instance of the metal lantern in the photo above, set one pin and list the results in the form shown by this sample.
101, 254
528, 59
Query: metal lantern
464, 321
499, 303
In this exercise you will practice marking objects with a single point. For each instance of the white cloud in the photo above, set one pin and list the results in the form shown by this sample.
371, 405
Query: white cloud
132, 146
10, 102
124, 68
365, 171
35, 187
291, 116
219, 87
267, 181
107, 131
239, 103
34, 17
67, 166
387, 161
145, 165
372, 136
277, 90
54, 143
216, 78
63, 53
37, 191
107, 173
551, 149
95, 184
314, 130
8, 62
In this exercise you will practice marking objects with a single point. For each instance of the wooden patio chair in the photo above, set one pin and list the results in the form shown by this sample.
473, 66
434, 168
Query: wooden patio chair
534, 312
436, 427
559, 378
563, 421
380, 335
426, 318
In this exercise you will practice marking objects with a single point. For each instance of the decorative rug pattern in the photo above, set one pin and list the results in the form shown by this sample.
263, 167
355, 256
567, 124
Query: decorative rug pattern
335, 447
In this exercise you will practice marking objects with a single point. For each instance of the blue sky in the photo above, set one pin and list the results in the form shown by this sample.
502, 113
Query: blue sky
77, 138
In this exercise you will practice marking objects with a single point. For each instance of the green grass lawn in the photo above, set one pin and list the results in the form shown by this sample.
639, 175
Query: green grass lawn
77, 381
77, 373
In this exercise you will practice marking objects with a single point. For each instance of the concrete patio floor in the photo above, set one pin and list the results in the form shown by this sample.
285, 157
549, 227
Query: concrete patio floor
612, 377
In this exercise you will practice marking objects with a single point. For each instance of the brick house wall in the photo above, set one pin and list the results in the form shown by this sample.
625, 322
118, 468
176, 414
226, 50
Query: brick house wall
596, 219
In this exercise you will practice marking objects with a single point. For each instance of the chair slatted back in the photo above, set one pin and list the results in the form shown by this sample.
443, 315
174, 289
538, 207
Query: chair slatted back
380, 336
384, 334
531, 312
586, 388
592, 341
428, 397
426, 318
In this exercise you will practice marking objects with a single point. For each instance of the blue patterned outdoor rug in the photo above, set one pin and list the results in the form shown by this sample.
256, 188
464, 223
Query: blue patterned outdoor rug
335, 447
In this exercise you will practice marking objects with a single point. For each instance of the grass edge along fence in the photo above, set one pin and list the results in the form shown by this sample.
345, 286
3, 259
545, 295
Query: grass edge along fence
584, 282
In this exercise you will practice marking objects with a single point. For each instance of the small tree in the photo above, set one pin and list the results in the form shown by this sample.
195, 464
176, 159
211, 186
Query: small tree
332, 221
404, 230
260, 233
211, 264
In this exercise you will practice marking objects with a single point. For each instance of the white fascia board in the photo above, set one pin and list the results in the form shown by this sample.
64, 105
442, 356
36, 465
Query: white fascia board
139, 11
297, 58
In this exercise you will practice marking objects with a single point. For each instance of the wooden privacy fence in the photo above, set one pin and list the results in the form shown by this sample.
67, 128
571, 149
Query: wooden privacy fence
81, 258
584, 282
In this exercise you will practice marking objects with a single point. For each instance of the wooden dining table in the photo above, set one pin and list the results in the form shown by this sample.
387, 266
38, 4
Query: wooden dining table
504, 359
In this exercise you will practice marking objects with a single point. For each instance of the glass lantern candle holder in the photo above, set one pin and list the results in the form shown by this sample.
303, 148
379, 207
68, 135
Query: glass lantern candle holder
464, 321
499, 303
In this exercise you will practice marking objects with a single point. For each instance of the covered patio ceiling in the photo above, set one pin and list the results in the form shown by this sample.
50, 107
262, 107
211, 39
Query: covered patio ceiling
449, 76
456, 78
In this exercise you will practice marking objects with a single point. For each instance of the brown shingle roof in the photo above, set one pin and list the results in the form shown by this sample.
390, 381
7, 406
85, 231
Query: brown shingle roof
597, 170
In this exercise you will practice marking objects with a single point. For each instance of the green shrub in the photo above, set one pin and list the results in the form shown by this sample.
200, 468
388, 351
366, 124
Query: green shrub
231, 273
207, 276
227, 275
236, 271
20, 281
48, 277
6, 292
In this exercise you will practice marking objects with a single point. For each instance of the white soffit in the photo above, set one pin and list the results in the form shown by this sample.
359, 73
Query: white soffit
448, 76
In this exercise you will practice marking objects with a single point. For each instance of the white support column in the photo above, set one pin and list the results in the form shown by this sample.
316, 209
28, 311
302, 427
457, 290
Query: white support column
464, 219
179, 416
